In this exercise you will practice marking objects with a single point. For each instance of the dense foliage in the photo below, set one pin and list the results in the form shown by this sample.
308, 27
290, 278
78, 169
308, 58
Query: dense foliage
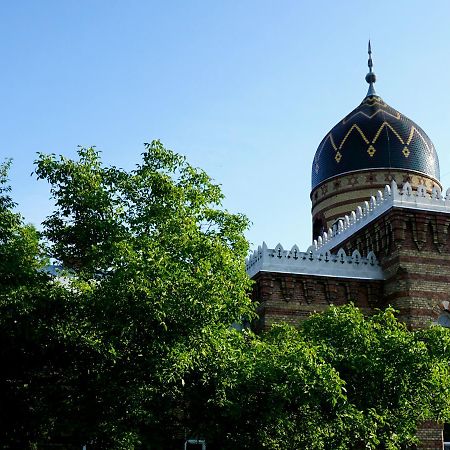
131, 344
159, 268
152, 267
36, 355
340, 380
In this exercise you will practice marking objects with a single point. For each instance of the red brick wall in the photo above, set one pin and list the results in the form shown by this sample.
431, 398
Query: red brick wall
414, 252
290, 298
413, 248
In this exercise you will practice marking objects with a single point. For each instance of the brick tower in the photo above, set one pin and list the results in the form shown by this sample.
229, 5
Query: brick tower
380, 227
368, 148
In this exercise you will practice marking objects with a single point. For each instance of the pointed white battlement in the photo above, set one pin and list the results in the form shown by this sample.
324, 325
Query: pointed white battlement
318, 260
379, 204
313, 262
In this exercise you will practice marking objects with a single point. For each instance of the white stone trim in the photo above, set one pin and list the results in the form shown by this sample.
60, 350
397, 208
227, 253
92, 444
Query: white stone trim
313, 262
376, 206
318, 260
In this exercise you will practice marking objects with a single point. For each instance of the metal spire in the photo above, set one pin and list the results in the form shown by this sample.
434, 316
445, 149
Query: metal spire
370, 77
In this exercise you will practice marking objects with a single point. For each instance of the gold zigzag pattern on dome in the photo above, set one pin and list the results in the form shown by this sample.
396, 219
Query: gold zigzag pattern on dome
408, 141
370, 116
329, 136
373, 100
353, 127
411, 134
385, 124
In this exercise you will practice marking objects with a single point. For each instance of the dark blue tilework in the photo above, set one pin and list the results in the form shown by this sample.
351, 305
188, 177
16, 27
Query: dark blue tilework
399, 143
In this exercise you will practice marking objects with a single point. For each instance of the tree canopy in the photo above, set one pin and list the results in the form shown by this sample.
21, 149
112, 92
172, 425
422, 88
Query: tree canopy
131, 344
158, 267
340, 380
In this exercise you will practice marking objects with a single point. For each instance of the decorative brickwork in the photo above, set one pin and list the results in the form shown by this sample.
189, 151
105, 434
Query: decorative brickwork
406, 237
407, 230
336, 197
406, 198
430, 436
291, 298
413, 248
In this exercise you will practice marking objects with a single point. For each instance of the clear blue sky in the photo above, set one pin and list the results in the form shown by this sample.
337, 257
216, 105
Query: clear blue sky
245, 89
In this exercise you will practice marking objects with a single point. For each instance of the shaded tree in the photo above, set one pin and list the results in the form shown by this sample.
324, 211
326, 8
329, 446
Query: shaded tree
38, 355
158, 267
340, 380
131, 345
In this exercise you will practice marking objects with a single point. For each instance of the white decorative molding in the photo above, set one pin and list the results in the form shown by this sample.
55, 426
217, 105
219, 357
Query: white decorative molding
379, 204
313, 262
318, 260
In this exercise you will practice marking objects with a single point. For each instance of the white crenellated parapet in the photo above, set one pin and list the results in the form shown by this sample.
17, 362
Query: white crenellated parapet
313, 262
377, 205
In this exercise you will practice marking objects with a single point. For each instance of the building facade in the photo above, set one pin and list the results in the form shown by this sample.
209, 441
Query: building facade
381, 230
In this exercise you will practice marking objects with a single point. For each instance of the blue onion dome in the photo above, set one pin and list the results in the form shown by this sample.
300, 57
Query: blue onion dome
374, 136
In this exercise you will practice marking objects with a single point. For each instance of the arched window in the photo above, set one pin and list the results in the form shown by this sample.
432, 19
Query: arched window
318, 228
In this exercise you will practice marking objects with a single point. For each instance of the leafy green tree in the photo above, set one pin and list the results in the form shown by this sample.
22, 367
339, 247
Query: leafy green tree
157, 267
396, 378
131, 345
20, 250
341, 381
33, 351
20, 260
273, 391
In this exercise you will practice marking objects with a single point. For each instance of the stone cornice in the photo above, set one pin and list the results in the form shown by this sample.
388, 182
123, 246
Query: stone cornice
312, 262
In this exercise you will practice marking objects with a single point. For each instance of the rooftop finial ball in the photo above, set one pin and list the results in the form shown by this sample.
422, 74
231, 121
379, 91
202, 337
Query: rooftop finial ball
371, 78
